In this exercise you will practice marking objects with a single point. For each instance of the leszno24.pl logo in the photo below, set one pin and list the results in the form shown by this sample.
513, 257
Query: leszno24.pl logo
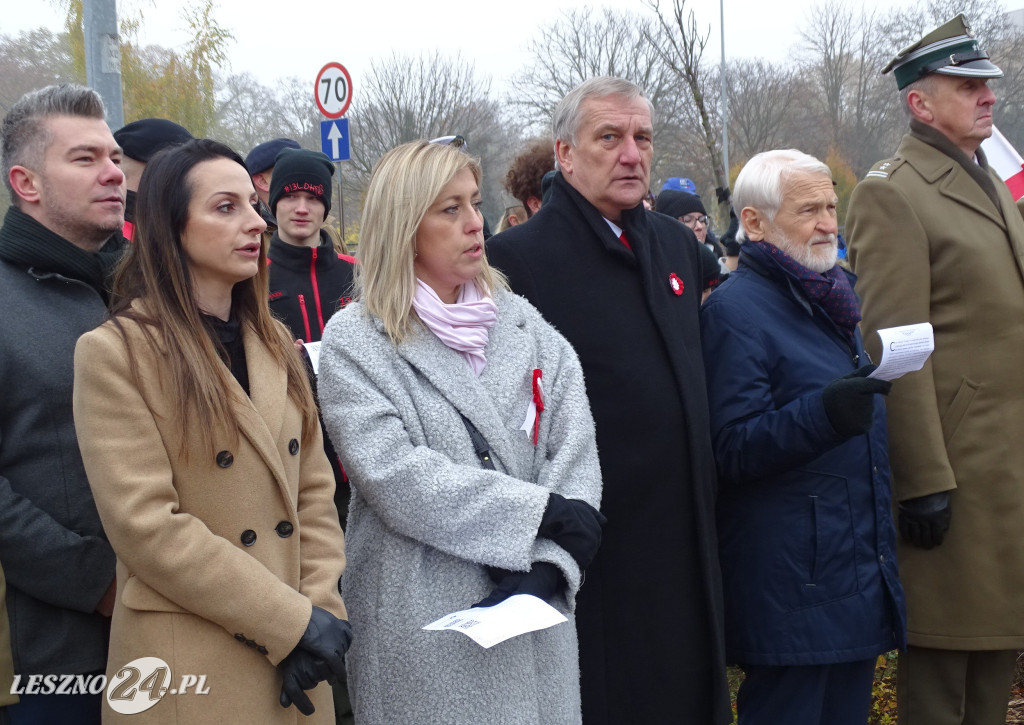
136, 687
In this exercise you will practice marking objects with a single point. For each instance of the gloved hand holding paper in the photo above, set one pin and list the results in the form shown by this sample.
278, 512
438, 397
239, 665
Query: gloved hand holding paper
904, 349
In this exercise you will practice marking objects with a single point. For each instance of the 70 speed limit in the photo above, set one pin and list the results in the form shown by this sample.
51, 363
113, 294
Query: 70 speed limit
333, 90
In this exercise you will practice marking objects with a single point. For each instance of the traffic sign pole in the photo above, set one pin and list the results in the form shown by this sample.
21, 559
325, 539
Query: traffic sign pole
341, 198
332, 92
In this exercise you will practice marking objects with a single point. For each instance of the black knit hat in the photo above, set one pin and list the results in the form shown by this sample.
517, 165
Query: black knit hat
140, 140
678, 204
262, 155
301, 170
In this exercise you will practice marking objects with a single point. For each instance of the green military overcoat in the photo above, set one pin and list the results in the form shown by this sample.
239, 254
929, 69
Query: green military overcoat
929, 244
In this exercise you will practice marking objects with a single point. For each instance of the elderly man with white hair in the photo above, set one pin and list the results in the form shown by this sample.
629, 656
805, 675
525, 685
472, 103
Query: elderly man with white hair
806, 537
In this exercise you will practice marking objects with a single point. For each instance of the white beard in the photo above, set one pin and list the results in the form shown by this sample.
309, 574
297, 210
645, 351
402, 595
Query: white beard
816, 259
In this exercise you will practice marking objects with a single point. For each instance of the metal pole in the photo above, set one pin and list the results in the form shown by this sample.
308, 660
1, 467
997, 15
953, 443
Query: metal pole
103, 56
341, 201
725, 98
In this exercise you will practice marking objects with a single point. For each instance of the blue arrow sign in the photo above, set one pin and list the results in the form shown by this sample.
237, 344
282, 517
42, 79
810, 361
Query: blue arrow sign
334, 139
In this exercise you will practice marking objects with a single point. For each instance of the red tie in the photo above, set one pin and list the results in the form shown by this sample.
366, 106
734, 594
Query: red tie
622, 238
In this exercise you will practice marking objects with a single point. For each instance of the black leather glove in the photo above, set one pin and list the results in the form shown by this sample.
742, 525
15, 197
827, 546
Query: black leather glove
543, 581
319, 656
300, 671
574, 525
924, 521
723, 195
850, 401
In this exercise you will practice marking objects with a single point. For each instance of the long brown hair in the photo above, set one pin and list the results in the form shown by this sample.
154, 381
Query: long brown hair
155, 272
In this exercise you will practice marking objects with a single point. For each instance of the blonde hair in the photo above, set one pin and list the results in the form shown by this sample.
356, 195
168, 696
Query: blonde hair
404, 184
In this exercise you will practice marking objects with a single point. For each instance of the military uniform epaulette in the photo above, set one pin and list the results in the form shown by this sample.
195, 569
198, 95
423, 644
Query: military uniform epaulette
883, 169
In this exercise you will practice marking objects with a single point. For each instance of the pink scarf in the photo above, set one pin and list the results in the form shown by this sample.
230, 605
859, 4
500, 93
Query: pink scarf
463, 326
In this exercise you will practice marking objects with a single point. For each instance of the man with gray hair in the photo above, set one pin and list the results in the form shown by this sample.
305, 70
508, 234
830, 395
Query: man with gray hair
805, 529
624, 286
58, 241
935, 237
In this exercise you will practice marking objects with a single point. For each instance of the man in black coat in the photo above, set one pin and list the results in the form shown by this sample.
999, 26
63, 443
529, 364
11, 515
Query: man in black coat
624, 286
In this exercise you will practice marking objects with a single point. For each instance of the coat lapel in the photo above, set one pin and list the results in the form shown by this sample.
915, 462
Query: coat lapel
260, 415
954, 182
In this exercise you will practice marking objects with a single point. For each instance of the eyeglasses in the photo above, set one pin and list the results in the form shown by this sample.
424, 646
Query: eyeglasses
690, 220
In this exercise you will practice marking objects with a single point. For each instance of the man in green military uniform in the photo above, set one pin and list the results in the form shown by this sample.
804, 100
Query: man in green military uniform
935, 237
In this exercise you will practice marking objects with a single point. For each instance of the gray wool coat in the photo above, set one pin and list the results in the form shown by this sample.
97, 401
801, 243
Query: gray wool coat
425, 518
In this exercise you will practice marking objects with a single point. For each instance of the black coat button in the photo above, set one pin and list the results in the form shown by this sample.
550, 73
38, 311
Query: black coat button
293, 446
261, 649
250, 643
248, 537
225, 459
240, 637
284, 529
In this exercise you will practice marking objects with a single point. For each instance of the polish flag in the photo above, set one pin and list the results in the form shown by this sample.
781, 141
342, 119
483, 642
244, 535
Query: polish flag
1005, 161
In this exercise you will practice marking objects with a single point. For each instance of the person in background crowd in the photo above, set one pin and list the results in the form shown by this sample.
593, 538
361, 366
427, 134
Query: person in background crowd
624, 286
139, 142
260, 165
200, 436
309, 281
689, 209
59, 239
523, 180
806, 536
513, 215
6, 661
425, 384
935, 237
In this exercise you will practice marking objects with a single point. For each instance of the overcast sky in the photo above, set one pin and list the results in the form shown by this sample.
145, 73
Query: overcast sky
282, 39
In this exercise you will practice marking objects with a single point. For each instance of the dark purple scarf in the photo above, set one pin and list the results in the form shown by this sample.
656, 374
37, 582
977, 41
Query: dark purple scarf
830, 291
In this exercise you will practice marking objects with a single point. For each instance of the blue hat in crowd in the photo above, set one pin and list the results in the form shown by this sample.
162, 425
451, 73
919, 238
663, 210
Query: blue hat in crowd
678, 183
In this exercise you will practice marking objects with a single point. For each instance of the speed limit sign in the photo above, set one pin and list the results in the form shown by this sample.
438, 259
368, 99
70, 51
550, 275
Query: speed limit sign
333, 90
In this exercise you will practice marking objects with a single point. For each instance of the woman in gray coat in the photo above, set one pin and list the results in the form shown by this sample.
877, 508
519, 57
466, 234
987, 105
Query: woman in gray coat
435, 347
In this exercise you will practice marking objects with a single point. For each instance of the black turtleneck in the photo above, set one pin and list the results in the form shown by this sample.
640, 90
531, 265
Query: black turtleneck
229, 335
27, 243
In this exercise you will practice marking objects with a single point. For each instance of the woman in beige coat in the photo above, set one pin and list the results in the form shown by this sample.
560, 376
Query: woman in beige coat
200, 438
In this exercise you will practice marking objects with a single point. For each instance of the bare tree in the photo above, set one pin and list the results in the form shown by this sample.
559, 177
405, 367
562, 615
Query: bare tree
32, 59
248, 112
764, 100
828, 38
408, 98
585, 43
680, 46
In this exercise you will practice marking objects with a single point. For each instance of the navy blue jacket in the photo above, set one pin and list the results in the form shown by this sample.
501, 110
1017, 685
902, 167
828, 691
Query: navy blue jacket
806, 535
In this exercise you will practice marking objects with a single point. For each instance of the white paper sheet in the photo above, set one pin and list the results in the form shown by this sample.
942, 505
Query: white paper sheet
313, 350
488, 626
904, 349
